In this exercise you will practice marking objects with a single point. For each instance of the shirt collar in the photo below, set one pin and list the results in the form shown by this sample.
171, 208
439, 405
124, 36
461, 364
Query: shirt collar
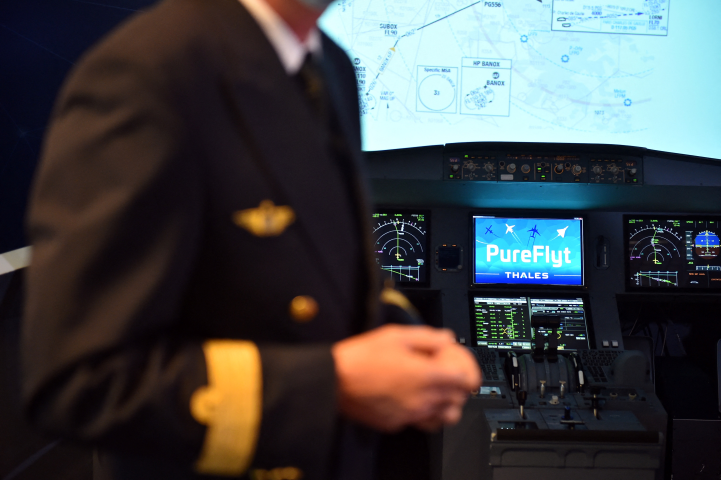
290, 50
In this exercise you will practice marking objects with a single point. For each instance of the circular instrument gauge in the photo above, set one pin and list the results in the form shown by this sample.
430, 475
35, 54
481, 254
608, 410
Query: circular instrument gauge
400, 245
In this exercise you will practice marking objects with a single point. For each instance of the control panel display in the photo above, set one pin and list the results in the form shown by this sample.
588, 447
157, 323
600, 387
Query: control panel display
506, 322
672, 252
527, 251
400, 245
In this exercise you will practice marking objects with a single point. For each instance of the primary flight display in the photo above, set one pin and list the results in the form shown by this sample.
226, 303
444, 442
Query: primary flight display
433, 72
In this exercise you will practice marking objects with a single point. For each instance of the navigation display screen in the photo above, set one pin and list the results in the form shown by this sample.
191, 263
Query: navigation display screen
527, 251
400, 244
505, 322
675, 252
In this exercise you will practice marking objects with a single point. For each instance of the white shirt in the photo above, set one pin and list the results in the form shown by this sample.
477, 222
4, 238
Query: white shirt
289, 48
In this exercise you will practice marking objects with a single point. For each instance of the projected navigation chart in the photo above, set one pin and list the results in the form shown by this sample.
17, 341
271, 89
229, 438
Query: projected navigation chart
440, 72
400, 245
634, 17
539, 251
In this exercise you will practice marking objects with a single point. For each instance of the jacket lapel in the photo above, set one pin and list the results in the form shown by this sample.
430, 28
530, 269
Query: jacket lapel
286, 141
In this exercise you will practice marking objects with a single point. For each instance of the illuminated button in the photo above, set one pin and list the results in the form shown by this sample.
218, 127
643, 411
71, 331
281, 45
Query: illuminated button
606, 344
614, 343
303, 308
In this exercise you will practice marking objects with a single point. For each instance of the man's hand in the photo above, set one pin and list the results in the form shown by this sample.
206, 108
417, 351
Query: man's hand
395, 376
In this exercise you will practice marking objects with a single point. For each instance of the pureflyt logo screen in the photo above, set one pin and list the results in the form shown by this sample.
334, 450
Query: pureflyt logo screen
530, 251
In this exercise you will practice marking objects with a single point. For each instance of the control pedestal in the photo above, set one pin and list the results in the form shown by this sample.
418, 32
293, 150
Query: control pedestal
547, 420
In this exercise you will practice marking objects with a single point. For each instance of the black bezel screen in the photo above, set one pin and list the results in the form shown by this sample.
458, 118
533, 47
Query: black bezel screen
401, 244
675, 252
503, 321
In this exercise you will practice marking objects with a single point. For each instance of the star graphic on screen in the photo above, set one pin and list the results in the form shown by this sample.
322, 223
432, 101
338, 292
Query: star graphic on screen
509, 228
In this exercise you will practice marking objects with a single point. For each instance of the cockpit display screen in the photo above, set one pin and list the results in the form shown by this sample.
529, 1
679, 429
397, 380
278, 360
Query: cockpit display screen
507, 322
527, 251
675, 252
400, 245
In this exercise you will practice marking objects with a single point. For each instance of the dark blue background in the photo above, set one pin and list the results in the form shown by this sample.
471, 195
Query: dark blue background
40, 41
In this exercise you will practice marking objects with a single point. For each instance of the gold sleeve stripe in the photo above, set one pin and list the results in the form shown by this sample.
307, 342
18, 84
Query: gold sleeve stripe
230, 405
15, 260
391, 296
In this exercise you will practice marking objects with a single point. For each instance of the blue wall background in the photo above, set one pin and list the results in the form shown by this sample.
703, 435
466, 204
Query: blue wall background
40, 41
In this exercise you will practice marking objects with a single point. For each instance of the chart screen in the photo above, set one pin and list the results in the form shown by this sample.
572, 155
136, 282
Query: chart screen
505, 322
400, 245
672, 252
527, 251
629, 72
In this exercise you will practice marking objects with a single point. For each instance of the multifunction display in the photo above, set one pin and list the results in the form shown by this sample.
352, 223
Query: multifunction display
527, 251
672, 252
507, 322
400, 245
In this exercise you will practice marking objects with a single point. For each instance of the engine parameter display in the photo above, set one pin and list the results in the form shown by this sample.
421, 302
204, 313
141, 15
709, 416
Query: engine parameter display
505, 322
672, 252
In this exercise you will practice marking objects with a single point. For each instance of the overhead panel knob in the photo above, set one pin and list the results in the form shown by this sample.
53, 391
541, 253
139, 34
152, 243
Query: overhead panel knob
511, 167
558, 168
597, 170
488, 167
526, 168
577, 169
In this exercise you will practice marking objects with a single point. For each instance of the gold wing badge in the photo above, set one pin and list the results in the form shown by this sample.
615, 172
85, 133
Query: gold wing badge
268, 220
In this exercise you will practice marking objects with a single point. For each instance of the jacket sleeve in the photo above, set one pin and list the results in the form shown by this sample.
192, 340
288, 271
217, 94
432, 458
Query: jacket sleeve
116, 220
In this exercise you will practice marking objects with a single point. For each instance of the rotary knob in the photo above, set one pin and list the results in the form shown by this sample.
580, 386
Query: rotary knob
526, 168
471, 166
577, 169
558, 168
454, 168
614, 170
597, 170
632, 172
511, 167
488, 167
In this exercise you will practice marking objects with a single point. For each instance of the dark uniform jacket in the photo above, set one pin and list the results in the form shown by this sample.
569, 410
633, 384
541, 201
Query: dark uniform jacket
187, 192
